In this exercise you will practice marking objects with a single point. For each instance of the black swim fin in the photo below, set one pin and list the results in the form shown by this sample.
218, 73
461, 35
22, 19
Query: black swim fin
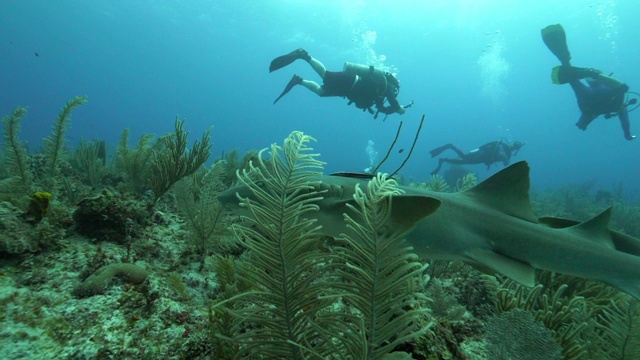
284, 60
295, 80
556, 40
439, 150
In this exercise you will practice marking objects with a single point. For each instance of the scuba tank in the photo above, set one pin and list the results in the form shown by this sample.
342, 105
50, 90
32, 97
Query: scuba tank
363, 70
370, 84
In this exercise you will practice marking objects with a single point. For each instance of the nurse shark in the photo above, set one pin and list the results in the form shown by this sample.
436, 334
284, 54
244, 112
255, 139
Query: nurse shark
490, 226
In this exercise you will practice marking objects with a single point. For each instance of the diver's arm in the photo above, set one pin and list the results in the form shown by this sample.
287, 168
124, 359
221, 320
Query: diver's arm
623, 115
394, 106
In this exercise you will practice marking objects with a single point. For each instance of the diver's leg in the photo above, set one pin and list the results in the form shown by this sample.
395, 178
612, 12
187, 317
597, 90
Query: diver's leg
450, 161
318, 67
460, 153
580, 89
314, 87
584, 95
295, 80
609, 81
437, 170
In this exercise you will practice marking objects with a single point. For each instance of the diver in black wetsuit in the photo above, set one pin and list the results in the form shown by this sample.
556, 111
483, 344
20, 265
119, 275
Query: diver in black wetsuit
602, 95
488, 154
364, 86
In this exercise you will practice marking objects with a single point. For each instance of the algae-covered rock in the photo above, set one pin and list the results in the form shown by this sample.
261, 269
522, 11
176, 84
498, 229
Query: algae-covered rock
101, 278
111, 217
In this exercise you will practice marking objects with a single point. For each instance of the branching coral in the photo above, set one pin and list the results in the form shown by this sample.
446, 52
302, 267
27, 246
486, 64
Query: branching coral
284, 254
196, 199
16, 155
134, 163
54, 144
89, 159
379, 266
174, 162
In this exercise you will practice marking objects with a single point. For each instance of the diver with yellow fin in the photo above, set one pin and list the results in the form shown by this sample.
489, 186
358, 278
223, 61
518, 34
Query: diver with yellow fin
602, 95
365, 86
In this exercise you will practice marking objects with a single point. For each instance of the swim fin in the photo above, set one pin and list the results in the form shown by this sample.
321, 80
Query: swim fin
284, 60
567, 74
439, 150
555, 39
295, 80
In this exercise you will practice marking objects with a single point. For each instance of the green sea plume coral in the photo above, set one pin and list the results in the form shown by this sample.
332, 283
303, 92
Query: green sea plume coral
54, 144
358, 301
197, 202
15, 152
134, 163
381, 272
173, 161
285, 259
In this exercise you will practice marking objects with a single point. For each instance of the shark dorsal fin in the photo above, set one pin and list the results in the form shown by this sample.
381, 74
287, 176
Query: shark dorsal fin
507, 191
596, 229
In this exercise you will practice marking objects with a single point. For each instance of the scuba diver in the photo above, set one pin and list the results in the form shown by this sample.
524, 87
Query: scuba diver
602, 95
488, 154
364, 86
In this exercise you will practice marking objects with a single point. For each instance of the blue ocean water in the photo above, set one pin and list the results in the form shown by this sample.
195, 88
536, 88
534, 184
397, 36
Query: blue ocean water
478, 71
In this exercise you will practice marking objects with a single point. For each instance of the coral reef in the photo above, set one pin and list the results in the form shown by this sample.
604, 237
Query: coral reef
194, 290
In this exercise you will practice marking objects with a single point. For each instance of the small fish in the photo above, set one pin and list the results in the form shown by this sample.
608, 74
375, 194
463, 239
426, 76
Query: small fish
400, 151
36, 54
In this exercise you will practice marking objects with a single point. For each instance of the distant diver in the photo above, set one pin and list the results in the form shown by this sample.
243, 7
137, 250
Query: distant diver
488, 154
604, 95
365, 86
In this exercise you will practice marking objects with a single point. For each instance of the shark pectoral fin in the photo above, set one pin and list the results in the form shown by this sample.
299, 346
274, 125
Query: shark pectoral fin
331, 217
514, 269
407, 210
